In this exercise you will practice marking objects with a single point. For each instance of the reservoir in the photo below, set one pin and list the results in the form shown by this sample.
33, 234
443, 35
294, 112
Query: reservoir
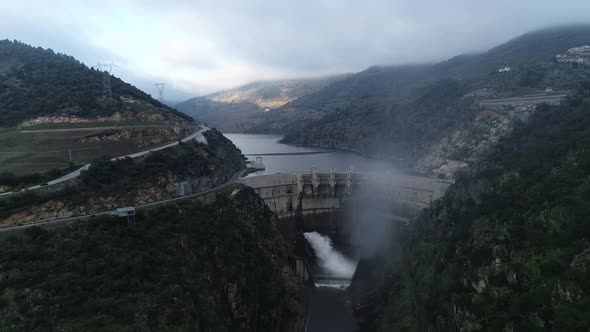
282, 158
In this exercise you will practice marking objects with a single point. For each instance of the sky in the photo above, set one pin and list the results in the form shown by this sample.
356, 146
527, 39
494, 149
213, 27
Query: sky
201, 46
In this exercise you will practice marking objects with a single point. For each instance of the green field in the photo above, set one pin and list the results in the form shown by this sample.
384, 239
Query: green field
40, 149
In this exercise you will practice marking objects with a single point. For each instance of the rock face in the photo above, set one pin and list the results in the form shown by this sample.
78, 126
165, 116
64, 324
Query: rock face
48, 210
161, 189
160, 118
470, 142
141, 137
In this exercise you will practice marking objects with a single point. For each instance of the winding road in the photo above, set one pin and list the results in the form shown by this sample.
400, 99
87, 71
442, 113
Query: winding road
46, 222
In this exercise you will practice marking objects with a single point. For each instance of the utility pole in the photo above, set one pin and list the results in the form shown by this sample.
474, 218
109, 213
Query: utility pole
70, 151
160, 87
106, 69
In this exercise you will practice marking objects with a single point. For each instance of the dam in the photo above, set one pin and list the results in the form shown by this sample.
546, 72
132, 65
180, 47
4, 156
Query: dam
344, 207
337, 194
304, 193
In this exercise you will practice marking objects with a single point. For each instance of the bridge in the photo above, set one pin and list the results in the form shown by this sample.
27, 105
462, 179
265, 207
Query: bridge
289, 194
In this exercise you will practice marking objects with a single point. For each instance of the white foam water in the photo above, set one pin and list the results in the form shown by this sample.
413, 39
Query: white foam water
329, 259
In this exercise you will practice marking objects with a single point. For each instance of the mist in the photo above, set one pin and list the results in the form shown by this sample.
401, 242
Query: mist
370, 218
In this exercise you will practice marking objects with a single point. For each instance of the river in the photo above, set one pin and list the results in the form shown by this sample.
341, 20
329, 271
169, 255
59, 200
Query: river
329, 311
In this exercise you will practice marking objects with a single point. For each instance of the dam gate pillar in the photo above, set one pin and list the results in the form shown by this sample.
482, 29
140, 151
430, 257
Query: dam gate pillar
349, 182
332, 182
315, 181
299, 183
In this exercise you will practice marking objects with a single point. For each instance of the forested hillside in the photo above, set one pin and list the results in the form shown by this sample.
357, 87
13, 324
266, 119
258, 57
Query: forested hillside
183, 267
39, 82
508, 247
402, 112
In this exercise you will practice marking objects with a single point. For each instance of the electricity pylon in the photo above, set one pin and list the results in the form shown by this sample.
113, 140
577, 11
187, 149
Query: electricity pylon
160, 87
106, 69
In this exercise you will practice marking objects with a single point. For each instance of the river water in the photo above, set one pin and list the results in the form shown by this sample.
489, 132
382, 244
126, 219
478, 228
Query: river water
329, 311
253, 145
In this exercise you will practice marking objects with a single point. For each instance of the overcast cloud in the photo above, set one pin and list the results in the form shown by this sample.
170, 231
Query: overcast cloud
202, 46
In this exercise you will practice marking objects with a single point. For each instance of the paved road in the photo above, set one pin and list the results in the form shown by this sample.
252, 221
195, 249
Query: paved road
46, 222
525, 100
198, 135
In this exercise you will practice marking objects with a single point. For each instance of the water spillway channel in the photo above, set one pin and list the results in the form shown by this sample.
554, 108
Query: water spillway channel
329, 311
331, 273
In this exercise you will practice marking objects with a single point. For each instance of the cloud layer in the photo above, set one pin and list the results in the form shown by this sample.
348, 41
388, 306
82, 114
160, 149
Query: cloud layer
201, 46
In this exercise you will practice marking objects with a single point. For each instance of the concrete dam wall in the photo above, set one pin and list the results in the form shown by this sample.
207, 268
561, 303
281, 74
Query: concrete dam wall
290, 194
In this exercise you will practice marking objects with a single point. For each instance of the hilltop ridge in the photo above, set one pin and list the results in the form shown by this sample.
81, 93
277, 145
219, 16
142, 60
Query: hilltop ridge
53, 114
37, 83
242, 108
431, 115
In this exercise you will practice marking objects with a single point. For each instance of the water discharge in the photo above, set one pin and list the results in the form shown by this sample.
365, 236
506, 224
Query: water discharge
330, 260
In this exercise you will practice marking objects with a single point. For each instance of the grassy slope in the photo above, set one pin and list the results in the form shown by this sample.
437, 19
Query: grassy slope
30, 152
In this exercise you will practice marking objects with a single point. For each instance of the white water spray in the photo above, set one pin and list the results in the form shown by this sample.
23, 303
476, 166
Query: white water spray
329, 259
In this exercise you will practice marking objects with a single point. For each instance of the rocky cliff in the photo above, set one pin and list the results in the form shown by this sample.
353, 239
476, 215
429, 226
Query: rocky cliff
472, 140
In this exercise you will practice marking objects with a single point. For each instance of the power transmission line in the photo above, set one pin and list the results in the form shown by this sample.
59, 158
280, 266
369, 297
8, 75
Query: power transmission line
160, 87
106, 69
